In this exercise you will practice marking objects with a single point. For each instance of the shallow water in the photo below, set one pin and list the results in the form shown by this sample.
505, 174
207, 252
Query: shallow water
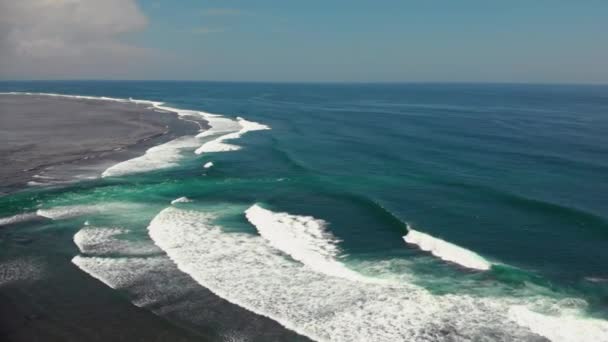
506, 186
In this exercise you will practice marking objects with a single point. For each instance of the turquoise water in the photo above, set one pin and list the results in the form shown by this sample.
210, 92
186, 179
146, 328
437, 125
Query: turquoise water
514, 174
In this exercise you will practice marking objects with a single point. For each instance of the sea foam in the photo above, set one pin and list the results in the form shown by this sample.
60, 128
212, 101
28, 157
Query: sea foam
25, 217
104, 241
68, 211
304, 238
71, 211
219, 144
162, 156
302, 293
181, 200
446, 251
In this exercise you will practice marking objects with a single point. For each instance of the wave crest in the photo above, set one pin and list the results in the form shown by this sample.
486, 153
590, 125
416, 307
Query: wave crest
219, 144
304, 238
249, 271
447, 251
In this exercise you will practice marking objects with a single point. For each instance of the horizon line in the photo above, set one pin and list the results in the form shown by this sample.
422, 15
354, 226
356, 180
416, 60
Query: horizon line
316, 82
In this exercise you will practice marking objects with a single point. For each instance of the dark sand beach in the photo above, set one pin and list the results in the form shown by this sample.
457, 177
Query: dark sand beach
54, 140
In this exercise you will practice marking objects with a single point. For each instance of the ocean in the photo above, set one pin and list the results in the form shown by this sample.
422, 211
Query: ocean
335, 212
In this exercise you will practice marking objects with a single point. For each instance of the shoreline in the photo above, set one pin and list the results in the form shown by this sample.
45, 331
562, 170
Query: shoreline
83, 137
220, 318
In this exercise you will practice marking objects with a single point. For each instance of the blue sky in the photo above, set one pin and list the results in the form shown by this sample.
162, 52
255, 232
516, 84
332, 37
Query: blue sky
271, 40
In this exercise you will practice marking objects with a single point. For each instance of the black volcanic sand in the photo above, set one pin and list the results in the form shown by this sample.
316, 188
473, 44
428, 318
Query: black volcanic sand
61, 138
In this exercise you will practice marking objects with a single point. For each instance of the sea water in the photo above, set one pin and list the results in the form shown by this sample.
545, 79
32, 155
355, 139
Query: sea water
346, 212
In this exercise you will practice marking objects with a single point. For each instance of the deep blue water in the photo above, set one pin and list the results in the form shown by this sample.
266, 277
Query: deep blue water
515, 173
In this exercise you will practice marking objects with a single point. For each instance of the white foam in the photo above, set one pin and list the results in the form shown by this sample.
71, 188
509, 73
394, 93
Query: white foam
18, 218
219, 144
66, 212
246, 270
181, 200
34, 183
71, 211
446, 251
162, 156
42, 177
565, 327
208, 165
82, 97
218, 125
304, 238
103, 241
155, 283
597, 279
111, 271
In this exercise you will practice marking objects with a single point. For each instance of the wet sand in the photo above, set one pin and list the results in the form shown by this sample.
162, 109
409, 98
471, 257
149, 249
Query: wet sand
45, 139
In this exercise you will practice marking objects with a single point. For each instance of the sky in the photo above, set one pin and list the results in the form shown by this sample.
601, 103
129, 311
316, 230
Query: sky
526, 41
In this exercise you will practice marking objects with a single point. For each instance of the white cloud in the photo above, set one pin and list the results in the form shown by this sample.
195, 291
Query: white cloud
68, 38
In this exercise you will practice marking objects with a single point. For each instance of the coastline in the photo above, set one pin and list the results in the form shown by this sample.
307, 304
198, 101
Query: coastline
55, 139
24, 318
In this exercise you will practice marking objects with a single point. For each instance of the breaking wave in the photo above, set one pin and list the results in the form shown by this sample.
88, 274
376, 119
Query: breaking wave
105, 241
181, 200
249, 271
304, 238
219, 144
447, 251
155, 283
162, 156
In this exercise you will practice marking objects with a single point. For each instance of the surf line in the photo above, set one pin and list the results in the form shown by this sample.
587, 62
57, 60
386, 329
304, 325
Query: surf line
446, 251
167, 155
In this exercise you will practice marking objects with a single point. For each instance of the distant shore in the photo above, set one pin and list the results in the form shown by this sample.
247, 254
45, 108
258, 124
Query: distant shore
54, 140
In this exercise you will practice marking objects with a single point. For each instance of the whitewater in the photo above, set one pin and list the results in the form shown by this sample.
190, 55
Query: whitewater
320, 298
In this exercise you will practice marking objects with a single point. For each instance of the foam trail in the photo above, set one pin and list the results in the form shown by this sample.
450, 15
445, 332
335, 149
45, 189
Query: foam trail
219, 144
181, 200
103, 241
34, 183
162, 156
66, 212
219, 125
71, 211
597, 279
247, 270
563, 328
101, 268
446, 251
18, 218
155, 283
304, 238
